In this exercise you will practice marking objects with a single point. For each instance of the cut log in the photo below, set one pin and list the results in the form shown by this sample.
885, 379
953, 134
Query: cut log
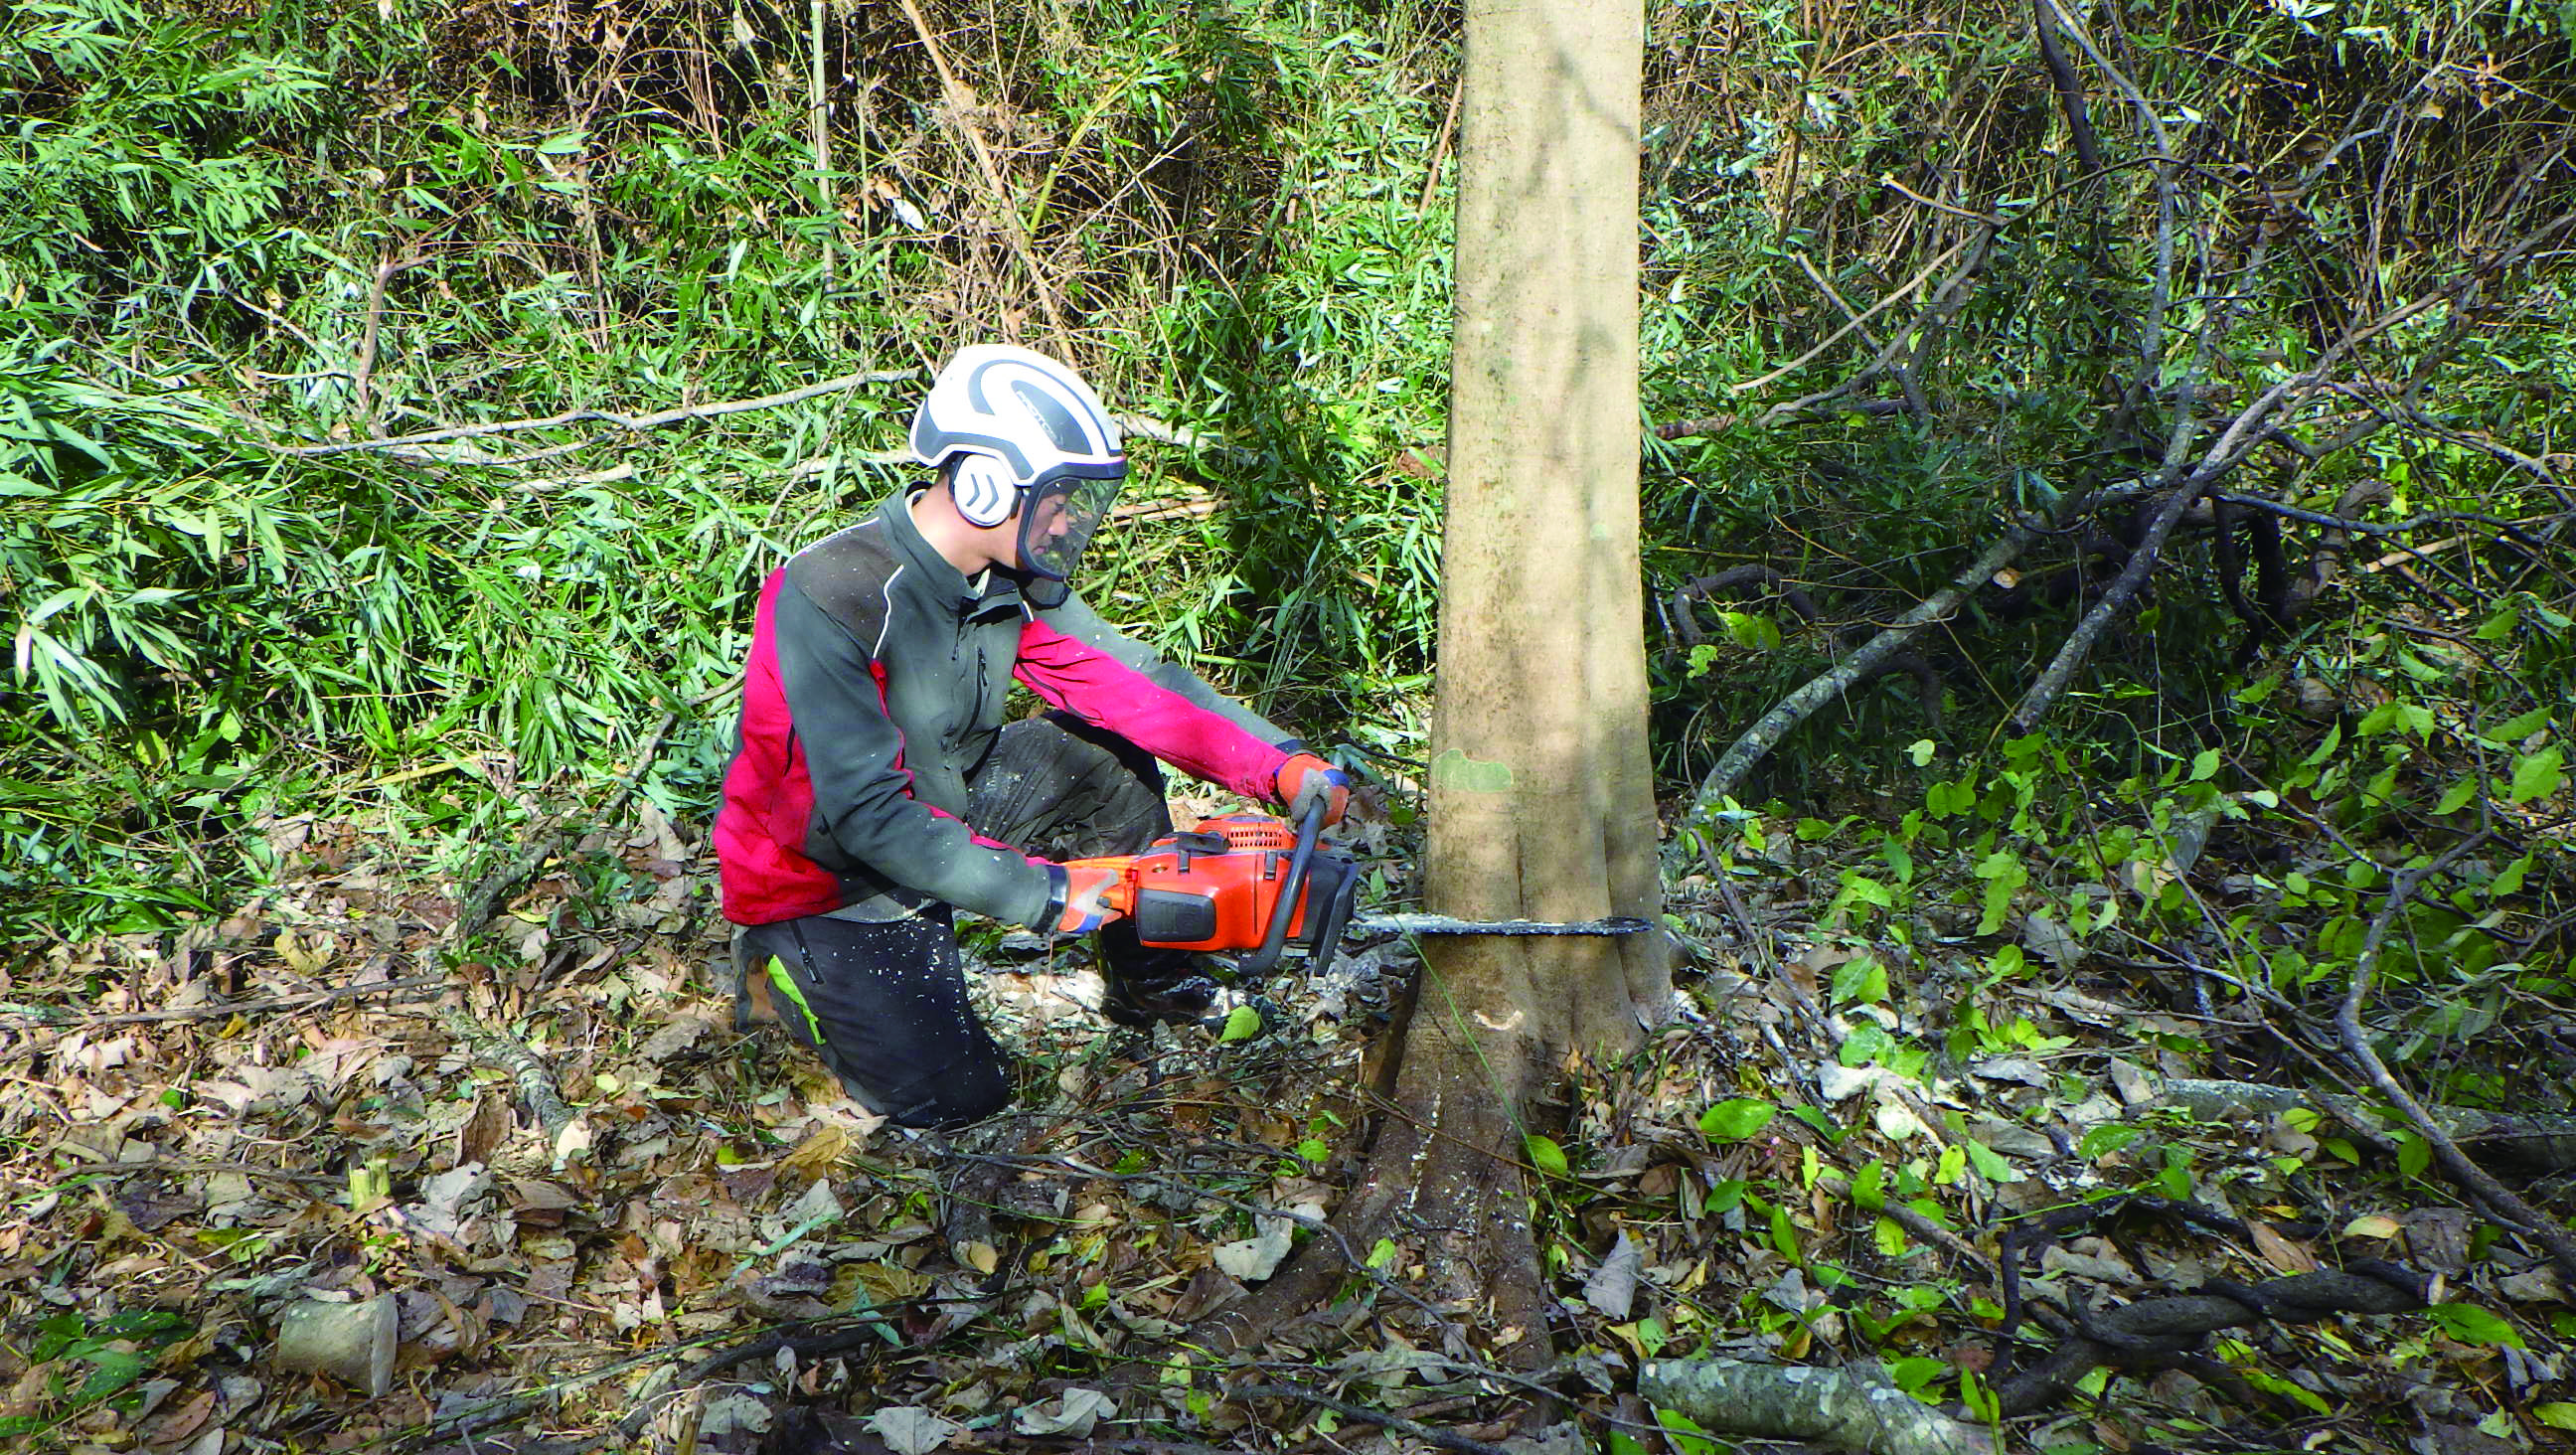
1847, 1409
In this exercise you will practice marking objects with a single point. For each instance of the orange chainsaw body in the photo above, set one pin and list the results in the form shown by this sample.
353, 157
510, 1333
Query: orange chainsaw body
1219, 886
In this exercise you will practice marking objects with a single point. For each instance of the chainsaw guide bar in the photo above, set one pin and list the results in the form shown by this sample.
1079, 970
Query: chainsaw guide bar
1441, 924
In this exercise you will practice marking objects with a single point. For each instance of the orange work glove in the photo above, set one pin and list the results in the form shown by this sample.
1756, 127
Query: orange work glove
1079, 902
1305, 780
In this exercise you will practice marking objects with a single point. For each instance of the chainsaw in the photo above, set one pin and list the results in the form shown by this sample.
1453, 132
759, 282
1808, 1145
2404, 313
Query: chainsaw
1250, 883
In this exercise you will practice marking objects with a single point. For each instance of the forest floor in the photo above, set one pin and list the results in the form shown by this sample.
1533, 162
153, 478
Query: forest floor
704, 1246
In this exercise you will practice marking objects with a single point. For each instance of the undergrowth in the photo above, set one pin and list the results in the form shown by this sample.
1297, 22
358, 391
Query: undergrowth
228, 234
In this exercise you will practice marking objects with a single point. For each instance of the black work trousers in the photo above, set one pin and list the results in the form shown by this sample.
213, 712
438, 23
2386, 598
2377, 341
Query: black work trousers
885, 1004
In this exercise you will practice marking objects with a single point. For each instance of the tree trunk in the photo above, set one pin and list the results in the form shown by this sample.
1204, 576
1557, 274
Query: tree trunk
1541, 794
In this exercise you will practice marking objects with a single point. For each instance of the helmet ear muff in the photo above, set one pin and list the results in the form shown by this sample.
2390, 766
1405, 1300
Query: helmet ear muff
983, 489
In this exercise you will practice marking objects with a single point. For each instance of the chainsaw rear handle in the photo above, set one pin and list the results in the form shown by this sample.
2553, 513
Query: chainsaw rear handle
1292, 888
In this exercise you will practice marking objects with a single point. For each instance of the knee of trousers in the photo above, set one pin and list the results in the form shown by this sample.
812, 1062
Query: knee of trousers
966, 1093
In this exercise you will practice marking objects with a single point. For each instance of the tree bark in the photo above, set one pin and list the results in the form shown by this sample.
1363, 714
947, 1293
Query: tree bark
1541, 796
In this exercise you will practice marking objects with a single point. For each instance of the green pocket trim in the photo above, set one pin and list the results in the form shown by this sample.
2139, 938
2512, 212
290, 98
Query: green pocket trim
785, 984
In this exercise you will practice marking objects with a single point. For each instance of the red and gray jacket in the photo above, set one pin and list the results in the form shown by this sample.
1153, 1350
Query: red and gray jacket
877, 679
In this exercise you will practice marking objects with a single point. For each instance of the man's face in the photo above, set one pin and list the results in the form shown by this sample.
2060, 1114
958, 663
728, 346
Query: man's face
1057, 523
1048, 520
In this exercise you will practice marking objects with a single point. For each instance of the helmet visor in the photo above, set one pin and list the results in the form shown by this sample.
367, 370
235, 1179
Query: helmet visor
1059, 515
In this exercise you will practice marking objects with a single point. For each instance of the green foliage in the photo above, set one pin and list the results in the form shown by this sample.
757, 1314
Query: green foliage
1778, 208
94, 1363
309, 223
224, 228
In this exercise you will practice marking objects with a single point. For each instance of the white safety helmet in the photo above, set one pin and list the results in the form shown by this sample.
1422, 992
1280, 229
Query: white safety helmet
1024, 434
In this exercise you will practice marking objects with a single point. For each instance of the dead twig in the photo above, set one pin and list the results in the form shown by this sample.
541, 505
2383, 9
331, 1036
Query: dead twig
101, 1167
602, 416
2178, 1321
216, 1009
1881, 306
998, 196
1781, 413
1429, 1435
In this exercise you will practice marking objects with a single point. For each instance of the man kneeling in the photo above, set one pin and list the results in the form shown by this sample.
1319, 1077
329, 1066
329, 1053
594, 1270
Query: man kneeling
876, 788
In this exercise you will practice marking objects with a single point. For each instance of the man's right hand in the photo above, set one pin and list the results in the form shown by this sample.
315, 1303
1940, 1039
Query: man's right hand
1079, 903
1306, 780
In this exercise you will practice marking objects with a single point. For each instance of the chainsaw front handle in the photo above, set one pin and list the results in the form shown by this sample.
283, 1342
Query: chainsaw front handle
1291, 889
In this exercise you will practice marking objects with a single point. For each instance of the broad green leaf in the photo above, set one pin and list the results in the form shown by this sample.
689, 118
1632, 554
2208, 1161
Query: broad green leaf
1241, 1024
2508, 879
1989, 1163
2414, 1154
1545, 1155
1736, 1120
1916, 1373
1889, 1236
1862, 979
2521, 727
1867, 890
2536, 776
1921, 752
2471, 1324
2459, 795
1686, 1435
2557, 1414
2104, 1140
1868, 1186
2204, 765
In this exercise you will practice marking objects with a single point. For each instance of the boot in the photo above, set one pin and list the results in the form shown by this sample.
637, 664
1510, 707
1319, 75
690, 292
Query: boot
754, 999
1149, 985
751, 1006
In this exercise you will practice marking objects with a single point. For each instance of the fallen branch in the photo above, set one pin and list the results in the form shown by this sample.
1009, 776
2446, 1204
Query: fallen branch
804, 1341
485, 899
527, 1070
2254, 425
2501, 1202
1767, 730
2177, 1322
2539, 1139
1843, 1408
1927, 680
602, 416
193, 1166
2078, 646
